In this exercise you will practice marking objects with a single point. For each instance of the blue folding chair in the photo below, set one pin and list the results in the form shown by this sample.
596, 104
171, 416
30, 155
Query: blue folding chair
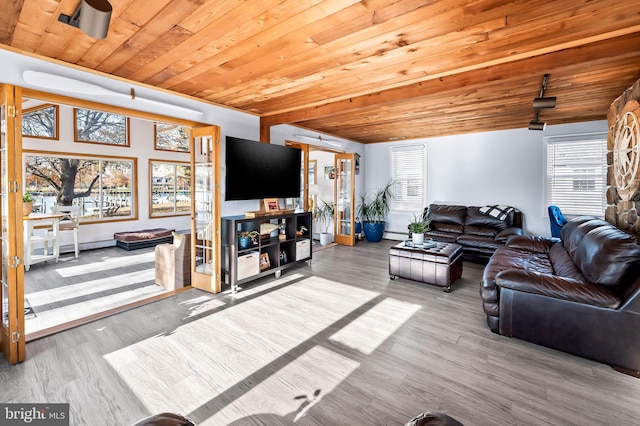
556, 220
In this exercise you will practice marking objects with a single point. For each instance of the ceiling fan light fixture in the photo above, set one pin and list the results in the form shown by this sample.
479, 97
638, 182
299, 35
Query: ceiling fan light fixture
91, 16
537, 125
544, 103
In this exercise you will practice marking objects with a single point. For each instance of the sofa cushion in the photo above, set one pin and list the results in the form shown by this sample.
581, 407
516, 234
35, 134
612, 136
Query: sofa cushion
478, 241
446, 227
608, 256
445, 213
558, 288
445, 237
530, 243
512, 258
476, 218
562, 264
481, 230
574, 230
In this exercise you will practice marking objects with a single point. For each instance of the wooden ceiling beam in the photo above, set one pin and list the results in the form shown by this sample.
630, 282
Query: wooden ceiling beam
607, 50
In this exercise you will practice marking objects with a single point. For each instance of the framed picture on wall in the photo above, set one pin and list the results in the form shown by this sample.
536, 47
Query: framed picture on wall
329, 172
271, 204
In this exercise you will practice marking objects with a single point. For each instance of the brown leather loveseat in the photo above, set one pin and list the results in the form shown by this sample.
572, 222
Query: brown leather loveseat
579, 294
478, 233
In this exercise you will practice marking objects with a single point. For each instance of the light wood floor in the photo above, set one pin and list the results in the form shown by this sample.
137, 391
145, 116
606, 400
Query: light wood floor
334, 343
97, 281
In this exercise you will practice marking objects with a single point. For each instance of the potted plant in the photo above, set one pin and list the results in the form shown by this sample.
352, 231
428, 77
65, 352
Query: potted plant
245, 238
373, 209
324, 216
27, 204
417, 227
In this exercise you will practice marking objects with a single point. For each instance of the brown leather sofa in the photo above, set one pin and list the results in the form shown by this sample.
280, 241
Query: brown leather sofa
479, 234
579, 294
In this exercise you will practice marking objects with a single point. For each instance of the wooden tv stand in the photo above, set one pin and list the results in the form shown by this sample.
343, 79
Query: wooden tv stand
290, 249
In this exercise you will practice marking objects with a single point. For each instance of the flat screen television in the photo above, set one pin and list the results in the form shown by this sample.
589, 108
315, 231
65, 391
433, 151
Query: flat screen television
257, 170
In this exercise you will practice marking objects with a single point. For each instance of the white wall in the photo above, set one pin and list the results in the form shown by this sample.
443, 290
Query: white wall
501, 167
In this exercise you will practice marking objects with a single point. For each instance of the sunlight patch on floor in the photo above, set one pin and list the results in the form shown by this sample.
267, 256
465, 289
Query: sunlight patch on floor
252, 290
87, 288
53, 317
373, 327
202, 304
216, 353
106, 264
250, 359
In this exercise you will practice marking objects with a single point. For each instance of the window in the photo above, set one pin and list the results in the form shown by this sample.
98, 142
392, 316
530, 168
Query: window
102, 187
577, 174
171, 137
40, 122
170, 188
408, 171
100, 127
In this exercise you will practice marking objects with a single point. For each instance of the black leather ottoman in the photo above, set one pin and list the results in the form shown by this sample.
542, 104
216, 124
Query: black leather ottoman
440, 265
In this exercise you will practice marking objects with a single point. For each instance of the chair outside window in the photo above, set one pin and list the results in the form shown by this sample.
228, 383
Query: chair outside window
69, 223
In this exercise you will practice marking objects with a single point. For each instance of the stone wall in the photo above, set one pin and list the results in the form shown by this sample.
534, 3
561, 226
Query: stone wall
623, 160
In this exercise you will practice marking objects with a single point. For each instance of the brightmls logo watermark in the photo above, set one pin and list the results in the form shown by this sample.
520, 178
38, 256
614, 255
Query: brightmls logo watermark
34, 414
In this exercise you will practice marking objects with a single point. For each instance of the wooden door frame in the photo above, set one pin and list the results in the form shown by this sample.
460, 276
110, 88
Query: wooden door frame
12, 336
199, 280
349, 240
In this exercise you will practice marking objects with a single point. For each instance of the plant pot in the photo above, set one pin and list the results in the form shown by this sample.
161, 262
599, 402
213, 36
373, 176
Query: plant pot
373, 231
27, 208
244, 243
325, 238
417, 239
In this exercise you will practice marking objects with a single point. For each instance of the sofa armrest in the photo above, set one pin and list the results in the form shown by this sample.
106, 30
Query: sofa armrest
530, 243
506, 233
558, 287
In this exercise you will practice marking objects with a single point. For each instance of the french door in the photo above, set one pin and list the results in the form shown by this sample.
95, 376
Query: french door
205, 209
12, 341
344, 216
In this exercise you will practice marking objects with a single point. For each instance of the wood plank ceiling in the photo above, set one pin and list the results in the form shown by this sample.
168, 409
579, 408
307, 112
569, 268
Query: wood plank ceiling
369, 70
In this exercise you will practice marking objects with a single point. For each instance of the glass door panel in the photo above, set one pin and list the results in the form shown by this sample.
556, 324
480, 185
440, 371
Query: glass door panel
205, 218
12, 342
301, 203
345, 194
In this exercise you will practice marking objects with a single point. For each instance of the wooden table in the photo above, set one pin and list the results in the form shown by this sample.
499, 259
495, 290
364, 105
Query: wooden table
36, 220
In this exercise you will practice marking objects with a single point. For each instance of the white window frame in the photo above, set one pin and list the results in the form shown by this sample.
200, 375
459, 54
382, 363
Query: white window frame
598, 175
401, 178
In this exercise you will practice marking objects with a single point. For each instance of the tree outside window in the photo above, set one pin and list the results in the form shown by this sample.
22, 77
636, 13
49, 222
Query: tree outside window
171, 137
104, 188
170, 188
40, 122
100, 127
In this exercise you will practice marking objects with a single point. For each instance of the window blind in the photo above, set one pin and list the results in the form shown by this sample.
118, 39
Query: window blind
408, 171
577, 174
